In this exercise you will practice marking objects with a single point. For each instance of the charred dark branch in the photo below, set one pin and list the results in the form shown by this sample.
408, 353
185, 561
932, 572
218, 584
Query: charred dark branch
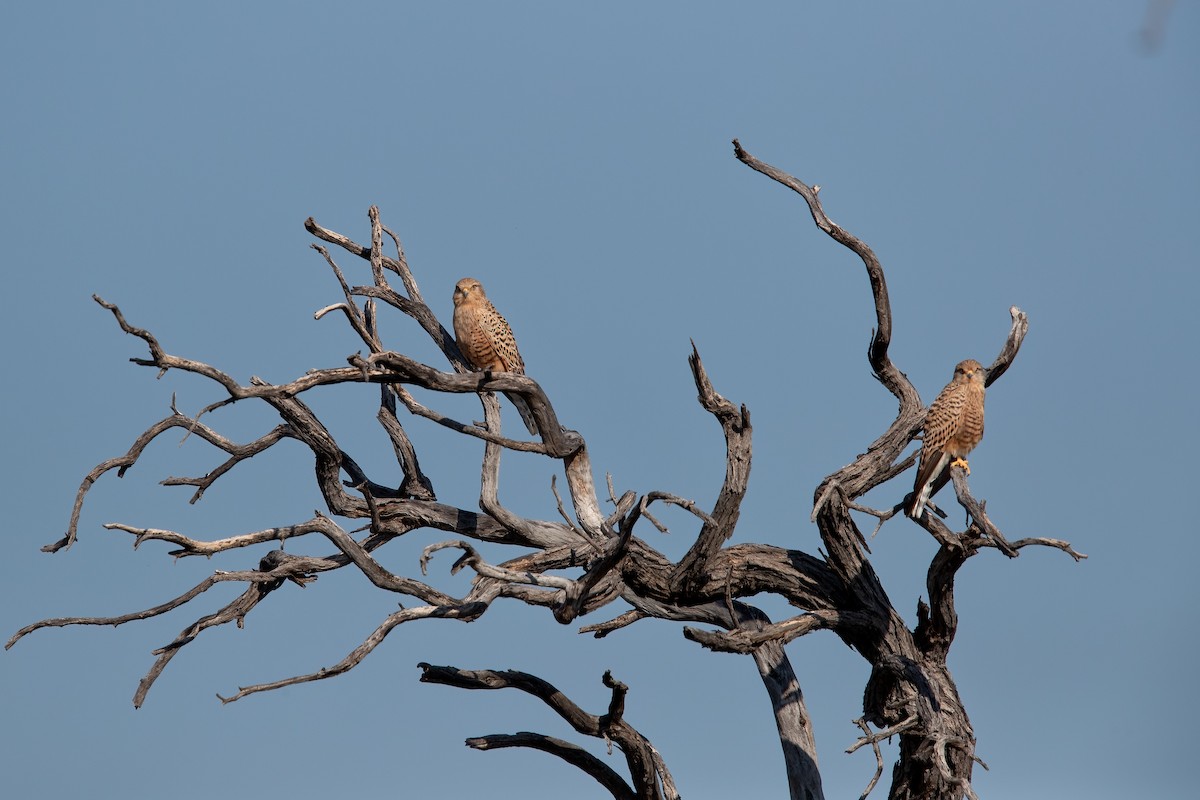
640, 756
937, 623
573, 754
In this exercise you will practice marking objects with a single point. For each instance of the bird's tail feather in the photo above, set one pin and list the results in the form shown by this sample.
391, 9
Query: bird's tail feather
926, 478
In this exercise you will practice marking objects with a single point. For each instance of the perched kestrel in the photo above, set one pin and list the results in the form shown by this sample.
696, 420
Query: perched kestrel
953, 426
486, 340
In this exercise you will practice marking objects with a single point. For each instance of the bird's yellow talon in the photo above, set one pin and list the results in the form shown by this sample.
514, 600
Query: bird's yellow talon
961, 462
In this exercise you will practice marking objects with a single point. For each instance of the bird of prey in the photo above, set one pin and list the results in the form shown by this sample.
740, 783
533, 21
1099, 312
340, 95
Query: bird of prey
953, 426
485, 338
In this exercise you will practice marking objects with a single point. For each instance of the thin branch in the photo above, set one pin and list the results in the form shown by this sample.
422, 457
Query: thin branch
611, 726
746, 640
602, 629
573, 754
170, 605
415, 484
401, 266
862, 723
467, 430
374, 571
199, 547
887, 733
1041, 541
471, 558
687, 505
466, 612
238, 453
877, 353
558, 442
175, 420
1012, 346
356, 317
562, 511
976, 510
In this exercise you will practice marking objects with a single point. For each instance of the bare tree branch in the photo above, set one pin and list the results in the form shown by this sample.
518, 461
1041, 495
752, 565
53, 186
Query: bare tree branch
175, 420
416, 484
588, 560
573, 754
877, 353
719, 527
639, 755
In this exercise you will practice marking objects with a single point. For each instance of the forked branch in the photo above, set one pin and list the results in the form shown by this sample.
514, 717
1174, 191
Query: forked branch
645, 766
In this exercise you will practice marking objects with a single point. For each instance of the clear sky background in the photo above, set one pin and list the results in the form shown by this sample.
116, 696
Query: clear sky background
576, 158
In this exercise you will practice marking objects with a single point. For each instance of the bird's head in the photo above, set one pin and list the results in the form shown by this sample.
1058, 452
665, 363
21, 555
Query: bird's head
467, 287
970, 370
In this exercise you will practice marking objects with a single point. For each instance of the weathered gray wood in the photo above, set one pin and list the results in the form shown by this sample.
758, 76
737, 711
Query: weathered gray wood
580, 565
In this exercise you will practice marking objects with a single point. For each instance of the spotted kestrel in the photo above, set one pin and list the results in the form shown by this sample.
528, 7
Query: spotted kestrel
953, 426
487, 341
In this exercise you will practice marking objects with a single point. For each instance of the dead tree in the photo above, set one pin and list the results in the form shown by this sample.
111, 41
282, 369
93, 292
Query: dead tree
592, 560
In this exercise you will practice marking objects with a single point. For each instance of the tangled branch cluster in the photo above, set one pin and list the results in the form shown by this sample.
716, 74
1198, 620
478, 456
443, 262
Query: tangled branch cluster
591, 559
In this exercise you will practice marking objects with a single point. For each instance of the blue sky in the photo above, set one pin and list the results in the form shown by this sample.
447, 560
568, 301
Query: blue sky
577, 160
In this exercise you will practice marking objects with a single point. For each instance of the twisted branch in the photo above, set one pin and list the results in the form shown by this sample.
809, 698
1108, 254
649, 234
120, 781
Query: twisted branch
910, 692
644, 764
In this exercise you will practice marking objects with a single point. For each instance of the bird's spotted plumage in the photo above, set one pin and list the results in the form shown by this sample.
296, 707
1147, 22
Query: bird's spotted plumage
486, 340
953, 427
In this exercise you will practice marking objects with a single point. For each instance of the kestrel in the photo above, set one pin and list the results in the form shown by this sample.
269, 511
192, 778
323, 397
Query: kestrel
953, 426
486, 340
